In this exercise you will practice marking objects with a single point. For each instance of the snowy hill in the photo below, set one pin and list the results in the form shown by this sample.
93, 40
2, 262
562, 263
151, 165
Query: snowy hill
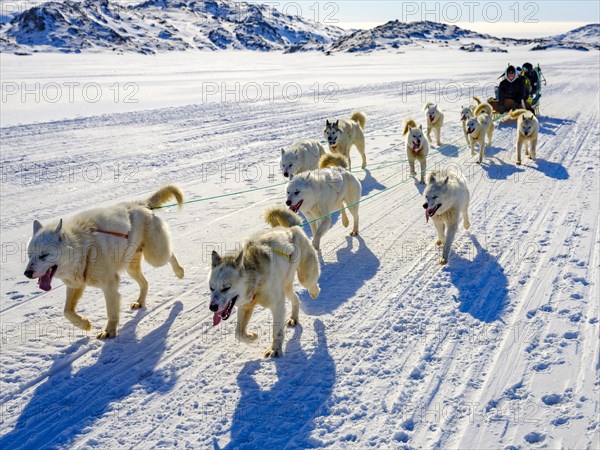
587, 34
159, 25
396, 35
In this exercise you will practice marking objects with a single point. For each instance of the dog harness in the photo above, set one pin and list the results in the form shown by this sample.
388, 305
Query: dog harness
280, 253
112, 233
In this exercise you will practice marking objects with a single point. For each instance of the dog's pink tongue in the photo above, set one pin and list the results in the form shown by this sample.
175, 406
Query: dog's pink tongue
426, 216
216, 319
45, 282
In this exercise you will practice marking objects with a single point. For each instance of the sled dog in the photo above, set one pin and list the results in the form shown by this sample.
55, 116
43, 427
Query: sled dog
343, 134
300, 156
528, 129
466, 113
320, 192
435, 119
417, 147
94, 246
263, 273
479, 126
445, 200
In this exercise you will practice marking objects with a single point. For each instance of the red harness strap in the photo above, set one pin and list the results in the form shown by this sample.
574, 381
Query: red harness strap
112, 233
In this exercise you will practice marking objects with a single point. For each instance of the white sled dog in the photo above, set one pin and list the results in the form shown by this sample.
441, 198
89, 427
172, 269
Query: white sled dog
445, 200
479, 126
322, 191
95, 245
343, 134
528, 129
300, 156
435, 119
466, 113
417, 147
263, 273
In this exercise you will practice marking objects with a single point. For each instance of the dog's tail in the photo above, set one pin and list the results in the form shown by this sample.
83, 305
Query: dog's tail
331, 160
427, 105
308, 269
280, 216
517, 113
360, 117
477, 100
164, 194
483, 107
409, 123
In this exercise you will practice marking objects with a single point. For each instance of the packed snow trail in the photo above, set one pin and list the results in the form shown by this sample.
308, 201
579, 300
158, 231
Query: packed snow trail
499, 348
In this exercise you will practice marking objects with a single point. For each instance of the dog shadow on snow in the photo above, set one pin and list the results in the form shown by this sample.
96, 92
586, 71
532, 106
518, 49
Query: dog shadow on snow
283, 414
340, 280
485, 295
68, 403
369, 183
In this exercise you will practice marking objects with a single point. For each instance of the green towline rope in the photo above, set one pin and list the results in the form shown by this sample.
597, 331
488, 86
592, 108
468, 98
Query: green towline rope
382, 165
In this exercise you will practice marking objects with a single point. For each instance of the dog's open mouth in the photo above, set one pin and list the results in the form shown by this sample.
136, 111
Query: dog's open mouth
225, 312
45, 281
295, 208
416, 147
431, 119
430, 212
470, 131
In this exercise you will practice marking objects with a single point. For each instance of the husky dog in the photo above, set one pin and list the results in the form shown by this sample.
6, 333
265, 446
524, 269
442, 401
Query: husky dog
342, 134
300, 156
528, 128
417, 147
263, 273
435, 119
466, 113
479, 126
95, 245
445, 201
320, 192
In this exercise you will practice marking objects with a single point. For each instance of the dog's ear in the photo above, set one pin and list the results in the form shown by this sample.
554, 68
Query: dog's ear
446, 180
239, 259
327, 123
216, 258
337, 123
432, 179
421, 126
282, 151
58, 228
37, 226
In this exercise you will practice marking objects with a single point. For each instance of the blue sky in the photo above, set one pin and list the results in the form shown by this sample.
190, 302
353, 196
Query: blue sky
507, 18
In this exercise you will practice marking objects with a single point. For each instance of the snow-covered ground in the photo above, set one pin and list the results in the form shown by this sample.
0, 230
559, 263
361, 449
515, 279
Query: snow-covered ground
498, 349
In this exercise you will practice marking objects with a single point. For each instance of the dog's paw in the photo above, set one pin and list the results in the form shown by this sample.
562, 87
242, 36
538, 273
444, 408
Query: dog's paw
105, 334
86, 325
354, 233
273, 353
314, 292
291, 322
443, 260
412, 174
467, 224
136, 305
421, 181
518, 162
179, 273
439, 242
364, 166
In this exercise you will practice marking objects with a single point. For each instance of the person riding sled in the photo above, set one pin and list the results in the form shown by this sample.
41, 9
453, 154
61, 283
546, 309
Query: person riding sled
512, 91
